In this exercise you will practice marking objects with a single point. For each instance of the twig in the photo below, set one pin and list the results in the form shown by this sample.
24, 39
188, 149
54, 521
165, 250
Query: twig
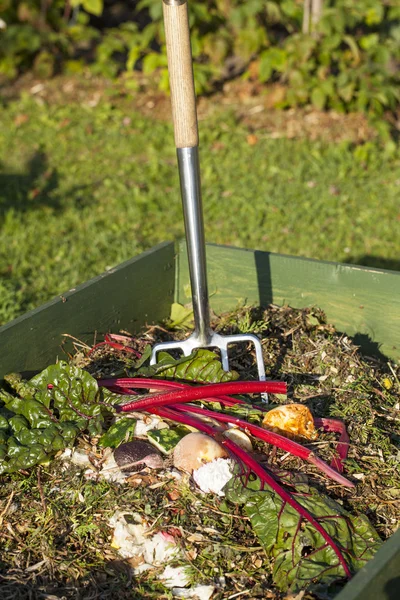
394, 373
77, 341
238, 594
3, 514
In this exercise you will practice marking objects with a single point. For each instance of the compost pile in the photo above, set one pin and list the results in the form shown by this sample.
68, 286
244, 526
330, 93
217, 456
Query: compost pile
93, 501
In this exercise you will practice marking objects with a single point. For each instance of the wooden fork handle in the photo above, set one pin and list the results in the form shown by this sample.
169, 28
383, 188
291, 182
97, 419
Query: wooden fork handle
180, 68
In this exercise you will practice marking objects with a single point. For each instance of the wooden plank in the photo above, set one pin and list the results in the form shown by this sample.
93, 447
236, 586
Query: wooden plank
380, 578
136, 292
362, 302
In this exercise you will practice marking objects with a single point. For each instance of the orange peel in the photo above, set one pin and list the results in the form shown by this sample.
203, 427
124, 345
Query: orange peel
291, 420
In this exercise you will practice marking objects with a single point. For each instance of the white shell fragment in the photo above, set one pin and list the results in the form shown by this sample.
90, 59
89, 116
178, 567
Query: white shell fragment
110, 470
130, 540
147, 423
175, 577
197, 592
213, 476
196, 449
80, 458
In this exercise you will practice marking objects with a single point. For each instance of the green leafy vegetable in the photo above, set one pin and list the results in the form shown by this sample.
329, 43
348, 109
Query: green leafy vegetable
119, 432
300, 557
243, 411
202, 366
166, 439
47, 413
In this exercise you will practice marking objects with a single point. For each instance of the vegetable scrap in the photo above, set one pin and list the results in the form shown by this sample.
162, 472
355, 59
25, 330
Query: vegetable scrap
214, 475
132, 539
196, 449
212, 470
134, 456
291, 420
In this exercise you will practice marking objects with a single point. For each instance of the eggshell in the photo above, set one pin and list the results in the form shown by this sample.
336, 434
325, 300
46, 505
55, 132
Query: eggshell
196, 449
240, 438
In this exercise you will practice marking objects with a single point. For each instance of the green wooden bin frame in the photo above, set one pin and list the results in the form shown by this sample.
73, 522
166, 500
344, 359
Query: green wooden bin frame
361, 302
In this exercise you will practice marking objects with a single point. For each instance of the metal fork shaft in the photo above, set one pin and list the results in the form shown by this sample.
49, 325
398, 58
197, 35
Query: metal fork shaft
189, 174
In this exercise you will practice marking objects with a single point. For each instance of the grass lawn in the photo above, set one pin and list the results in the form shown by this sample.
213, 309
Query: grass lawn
84, 188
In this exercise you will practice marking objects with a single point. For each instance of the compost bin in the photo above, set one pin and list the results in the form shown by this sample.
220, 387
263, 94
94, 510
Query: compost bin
362, 302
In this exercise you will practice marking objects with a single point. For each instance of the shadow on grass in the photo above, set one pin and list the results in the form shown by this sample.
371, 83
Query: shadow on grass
25, 191
37, 187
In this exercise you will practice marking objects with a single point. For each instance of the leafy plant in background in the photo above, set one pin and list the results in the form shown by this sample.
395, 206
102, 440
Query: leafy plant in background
337, 54
44, 34
348, 61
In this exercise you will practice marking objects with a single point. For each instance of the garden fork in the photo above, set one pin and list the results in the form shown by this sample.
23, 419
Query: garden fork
184, 115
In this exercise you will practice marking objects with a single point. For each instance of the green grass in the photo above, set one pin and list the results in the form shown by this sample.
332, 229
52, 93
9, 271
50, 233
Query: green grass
82, 189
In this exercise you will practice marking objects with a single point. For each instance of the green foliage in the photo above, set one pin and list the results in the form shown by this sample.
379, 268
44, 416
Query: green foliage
203, 366
350, 61
300, 555
93, 7
36, 420
167, 438
39, 35
120, 431
347, 63
181, 317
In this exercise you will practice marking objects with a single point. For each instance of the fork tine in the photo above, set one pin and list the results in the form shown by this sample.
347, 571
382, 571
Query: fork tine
224, 357
216, 340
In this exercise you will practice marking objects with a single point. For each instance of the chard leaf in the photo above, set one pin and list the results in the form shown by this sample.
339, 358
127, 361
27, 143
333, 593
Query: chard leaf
203, 366
300, 556
37, 420
145, 356
119, 432
36, 414
246, 412
23, 388
166, 439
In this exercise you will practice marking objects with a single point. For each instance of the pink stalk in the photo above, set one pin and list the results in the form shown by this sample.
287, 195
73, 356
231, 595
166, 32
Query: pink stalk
203, 392
241, 455
115, 337
342, 447
272, 438
119, 390
126, 383
115, 341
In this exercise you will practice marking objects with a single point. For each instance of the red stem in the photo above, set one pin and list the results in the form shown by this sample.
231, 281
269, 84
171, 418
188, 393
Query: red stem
241, 455
206, 391
147, 383
272, 438
343, 443
116, 346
